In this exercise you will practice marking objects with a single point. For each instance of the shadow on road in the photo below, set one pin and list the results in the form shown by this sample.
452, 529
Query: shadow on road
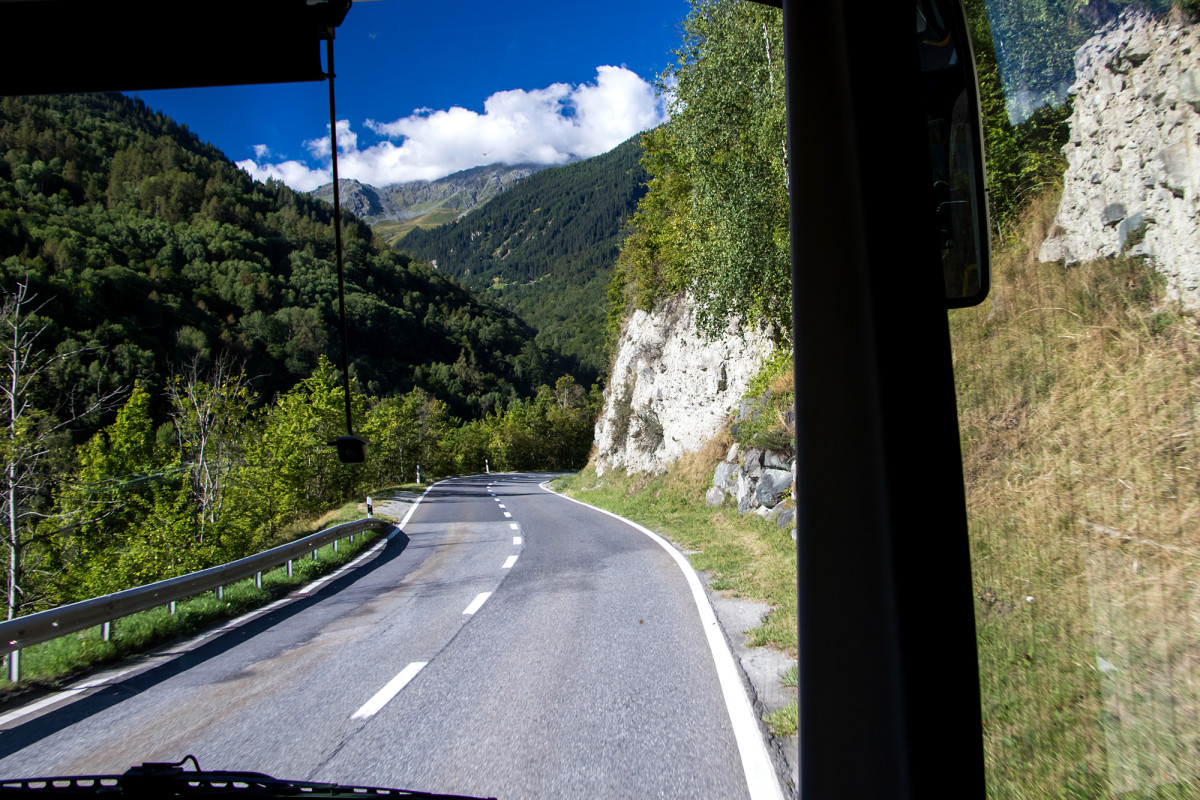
27, 733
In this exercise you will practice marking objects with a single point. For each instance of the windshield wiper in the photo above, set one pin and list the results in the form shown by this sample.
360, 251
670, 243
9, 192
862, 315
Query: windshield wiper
155, 780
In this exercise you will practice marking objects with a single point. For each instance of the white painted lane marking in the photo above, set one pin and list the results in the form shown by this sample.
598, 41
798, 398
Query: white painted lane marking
516, 540
502, 505
477, 603
408, 516
514, 526
38, 706
381, 698
509, 562
237, 622
761, 780
507, 515
103, 680
319, 582
396, 529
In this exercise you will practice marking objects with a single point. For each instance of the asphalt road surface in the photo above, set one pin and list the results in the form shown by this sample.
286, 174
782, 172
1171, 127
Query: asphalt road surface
507, 642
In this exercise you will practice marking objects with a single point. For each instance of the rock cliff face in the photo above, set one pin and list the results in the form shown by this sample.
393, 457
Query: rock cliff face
670, 389
1133, 181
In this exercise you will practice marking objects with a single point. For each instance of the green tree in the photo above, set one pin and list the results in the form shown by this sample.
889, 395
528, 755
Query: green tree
293, 467
107, 545
212, 419
715, 218
34, 414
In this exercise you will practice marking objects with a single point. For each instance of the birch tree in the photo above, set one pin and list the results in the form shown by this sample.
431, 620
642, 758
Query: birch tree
212, 416
31, 433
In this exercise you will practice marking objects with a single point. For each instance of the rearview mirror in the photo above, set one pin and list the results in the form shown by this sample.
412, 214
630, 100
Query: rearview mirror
351, 449
950, 95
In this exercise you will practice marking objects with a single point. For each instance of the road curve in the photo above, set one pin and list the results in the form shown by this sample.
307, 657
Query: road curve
509, 642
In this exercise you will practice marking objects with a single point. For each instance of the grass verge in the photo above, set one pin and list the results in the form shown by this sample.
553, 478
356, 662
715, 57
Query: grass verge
1079, 393
784, 721
54, 663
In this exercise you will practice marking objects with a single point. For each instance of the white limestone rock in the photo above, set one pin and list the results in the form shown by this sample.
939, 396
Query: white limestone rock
1132, 184
671, 390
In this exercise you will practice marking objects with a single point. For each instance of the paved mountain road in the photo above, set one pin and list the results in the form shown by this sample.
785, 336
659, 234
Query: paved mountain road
509, 642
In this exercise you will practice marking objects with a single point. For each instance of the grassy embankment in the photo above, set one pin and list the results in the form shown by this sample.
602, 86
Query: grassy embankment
393, 230
53, 663
744, 556
1079, 390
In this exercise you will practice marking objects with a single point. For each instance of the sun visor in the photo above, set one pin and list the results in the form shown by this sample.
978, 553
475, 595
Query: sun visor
56, 46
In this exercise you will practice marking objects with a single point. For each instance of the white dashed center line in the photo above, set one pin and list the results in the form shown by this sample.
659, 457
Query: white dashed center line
477, 603
381, 698
509, 562
514, 526
516, 540
508, 515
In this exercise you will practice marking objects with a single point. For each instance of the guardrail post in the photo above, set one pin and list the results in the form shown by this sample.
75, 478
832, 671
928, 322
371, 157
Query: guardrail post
258, 580
220, 592
314, 555
171, 607
106, 631
352, 538
289, 567
335, 544
14, 666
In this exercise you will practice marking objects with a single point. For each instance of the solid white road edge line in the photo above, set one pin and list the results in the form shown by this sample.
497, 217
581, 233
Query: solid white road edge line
761, 779
508, 562
324, 579
319, 582
393, 687
477, 603
408, 516
39, 705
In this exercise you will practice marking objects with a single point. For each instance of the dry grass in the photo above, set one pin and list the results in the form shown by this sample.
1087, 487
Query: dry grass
1079, 389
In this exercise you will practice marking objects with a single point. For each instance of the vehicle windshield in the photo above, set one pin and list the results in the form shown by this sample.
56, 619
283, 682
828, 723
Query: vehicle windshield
171, 391
191, 569
1078, 397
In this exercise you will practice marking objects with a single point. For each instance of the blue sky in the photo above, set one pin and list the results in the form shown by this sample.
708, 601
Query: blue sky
425, 91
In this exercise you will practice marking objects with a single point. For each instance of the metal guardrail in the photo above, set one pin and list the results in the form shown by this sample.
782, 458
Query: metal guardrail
43, 626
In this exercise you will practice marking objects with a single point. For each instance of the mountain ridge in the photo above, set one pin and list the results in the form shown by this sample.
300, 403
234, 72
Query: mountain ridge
461, 191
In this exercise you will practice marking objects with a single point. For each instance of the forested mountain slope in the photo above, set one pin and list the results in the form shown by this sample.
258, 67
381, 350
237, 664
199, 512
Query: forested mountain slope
151, 248
546, 248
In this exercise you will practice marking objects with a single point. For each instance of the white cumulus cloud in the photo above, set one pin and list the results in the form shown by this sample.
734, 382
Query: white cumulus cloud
295, 174
546, 126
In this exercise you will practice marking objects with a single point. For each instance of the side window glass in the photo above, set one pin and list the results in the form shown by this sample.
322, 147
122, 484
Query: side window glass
1078, 400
